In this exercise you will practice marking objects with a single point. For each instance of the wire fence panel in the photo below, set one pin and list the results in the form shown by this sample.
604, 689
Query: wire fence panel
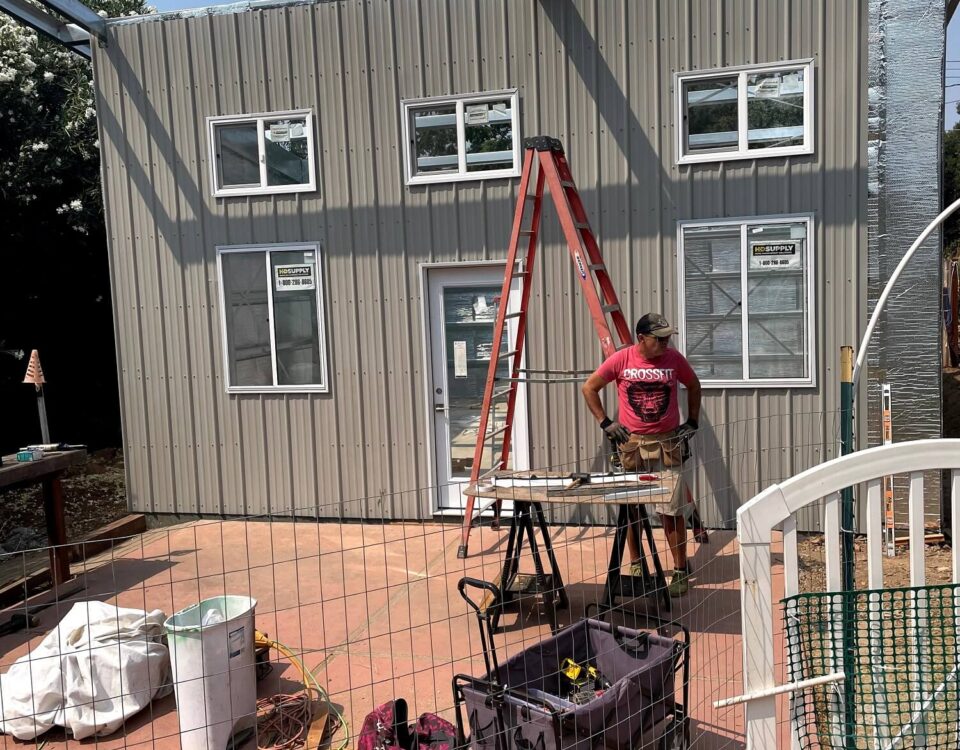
906, 660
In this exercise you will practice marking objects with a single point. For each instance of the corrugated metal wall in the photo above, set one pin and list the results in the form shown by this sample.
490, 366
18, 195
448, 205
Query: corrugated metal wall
597, 74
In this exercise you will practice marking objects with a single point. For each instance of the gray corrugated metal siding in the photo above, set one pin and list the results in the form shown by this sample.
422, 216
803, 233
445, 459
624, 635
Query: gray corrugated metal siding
598, 75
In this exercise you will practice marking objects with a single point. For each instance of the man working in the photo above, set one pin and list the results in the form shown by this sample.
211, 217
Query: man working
648, 432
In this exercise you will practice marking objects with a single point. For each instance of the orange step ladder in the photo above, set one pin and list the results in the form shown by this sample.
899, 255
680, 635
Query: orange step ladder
554, 174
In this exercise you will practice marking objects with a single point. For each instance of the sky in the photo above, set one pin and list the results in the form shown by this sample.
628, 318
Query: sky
952, 82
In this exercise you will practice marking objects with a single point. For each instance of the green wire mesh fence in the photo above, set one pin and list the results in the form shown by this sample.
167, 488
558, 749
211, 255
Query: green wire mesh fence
904, 659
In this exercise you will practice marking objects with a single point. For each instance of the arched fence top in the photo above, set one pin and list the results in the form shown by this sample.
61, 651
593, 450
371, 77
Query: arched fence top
765, 511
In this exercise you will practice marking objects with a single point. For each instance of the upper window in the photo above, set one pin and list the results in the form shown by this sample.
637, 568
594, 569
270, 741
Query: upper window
258, 154
462, 138
747, 300
272, 302
745, 113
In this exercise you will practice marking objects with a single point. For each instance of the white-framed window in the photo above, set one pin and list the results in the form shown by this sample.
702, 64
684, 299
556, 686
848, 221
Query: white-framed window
262, 154
271, 302
746, 300
748, 112
457, 138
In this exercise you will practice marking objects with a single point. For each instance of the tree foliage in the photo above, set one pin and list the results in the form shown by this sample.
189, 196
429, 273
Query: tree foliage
951, 188
54, 286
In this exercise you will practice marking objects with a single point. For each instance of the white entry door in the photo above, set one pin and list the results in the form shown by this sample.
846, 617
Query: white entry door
462, 303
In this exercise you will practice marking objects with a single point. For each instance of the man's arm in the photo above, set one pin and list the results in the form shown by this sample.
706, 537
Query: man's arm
693, 399
591, 393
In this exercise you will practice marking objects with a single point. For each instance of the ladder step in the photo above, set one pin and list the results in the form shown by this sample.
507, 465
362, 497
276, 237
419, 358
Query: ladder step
567, 183
515, 314
495, 433
530, 196
508, 354
489, 472
527, 232
610, 308
501, 392
581, 225
596, 267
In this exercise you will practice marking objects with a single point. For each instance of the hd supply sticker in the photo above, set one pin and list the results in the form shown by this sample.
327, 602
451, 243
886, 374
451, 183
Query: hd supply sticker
780, 254
293, 277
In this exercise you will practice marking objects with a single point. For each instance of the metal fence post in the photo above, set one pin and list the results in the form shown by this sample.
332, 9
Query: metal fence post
846, 548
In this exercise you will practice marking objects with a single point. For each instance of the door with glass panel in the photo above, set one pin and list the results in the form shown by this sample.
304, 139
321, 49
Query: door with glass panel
463, 304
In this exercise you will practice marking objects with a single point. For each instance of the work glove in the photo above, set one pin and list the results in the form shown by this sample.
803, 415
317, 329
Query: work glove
687, 429
615, 431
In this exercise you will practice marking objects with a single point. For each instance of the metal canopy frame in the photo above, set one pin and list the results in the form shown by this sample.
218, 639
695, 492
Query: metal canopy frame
81, 25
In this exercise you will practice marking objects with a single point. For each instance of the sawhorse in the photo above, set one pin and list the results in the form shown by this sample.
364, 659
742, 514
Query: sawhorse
526, 519
630, 586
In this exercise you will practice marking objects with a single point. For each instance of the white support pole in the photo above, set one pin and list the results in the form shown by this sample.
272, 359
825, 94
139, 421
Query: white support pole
864, 342
918, 636
791, 587
756, 596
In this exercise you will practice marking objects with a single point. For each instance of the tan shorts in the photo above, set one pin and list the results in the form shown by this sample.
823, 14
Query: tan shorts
659, 453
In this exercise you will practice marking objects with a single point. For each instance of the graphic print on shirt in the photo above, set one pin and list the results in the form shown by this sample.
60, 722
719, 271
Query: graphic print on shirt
649, 401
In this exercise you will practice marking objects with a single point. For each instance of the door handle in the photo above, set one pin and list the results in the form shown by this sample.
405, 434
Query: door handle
439, 407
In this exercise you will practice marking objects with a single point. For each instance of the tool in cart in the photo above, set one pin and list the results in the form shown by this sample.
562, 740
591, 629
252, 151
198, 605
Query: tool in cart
585, 681
554, 174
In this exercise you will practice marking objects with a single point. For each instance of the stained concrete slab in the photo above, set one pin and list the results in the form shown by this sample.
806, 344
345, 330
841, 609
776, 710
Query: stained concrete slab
373, 610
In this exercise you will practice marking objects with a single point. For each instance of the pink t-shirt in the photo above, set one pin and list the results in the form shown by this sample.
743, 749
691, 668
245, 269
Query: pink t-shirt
648, 388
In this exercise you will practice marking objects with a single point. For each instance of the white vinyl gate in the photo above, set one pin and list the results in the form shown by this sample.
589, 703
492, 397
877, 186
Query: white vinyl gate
777, 507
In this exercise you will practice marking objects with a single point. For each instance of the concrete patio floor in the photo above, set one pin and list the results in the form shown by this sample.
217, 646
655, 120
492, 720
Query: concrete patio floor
374, 612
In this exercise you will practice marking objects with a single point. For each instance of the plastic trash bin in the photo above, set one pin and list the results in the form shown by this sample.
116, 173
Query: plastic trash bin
214, 670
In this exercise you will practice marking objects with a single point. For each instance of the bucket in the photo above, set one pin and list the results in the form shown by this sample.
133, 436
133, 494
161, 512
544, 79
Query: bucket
214, 670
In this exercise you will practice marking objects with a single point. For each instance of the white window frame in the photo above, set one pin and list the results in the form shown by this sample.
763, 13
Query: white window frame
266, 249
744, 222
260, 118
460, 101
743, 151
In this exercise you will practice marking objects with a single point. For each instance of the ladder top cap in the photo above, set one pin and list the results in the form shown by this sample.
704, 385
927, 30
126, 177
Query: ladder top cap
543, 143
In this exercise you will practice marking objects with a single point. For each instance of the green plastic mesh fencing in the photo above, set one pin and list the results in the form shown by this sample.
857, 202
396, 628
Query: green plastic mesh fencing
902, 674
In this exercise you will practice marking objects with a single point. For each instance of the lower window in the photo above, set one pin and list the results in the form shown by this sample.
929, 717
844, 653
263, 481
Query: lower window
272, 315
747, 290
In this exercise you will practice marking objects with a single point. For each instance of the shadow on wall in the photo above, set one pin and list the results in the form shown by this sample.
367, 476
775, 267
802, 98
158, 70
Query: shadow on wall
617, 120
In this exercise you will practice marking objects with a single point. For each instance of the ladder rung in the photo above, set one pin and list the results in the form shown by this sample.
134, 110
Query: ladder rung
521, 274
489, 472
581, 225
567, 183
495, 433
508, 354
596, 267
530, 196
527, 232
610, 308
501, 392
515, 314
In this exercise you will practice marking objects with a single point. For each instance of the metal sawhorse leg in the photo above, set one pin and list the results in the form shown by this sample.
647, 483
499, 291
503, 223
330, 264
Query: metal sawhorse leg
629, 586
513, 584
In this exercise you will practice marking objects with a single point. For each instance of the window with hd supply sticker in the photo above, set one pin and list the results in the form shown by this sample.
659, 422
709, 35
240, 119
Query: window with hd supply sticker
747, 112
747, 300
272, 317
471, 137
262, 154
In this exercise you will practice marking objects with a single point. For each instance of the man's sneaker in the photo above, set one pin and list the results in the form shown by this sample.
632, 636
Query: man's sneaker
679, 583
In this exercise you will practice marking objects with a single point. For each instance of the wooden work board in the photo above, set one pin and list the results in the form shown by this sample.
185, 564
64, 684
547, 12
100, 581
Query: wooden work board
657, 489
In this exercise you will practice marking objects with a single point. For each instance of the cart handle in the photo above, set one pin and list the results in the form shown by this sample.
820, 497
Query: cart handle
477, 584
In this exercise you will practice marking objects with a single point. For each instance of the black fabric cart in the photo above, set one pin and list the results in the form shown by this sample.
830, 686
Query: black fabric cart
525, 703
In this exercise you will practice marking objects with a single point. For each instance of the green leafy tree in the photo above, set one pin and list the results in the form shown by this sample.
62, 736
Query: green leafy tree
951, 188
54, 282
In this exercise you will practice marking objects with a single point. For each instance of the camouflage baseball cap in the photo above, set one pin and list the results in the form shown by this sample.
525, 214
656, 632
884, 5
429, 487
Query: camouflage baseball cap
653, 324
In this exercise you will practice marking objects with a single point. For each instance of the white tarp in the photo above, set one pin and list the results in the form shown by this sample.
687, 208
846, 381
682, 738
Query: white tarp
99, 666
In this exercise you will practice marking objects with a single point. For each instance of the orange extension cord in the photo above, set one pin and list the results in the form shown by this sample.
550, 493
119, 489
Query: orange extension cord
283, 721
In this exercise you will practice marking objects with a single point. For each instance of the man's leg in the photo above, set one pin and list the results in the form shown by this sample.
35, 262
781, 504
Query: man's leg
675, 530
